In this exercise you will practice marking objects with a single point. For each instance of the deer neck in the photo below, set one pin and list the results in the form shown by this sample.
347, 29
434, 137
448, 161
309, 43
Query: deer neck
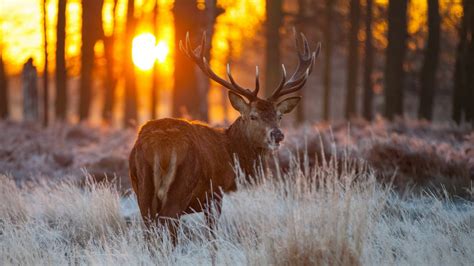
241, 147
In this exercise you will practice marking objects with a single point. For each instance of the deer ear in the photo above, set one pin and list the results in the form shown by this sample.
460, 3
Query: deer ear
288, 104
238, 102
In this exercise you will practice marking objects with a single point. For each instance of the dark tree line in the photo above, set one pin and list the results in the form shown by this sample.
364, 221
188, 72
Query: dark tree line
110, 77
395, 55
328, 45
430, 63
45, 69
464, 70
368, 63
191, 87
3, 90
91, 32
353, 60
186, 91
61, 74
130, 115
274, 17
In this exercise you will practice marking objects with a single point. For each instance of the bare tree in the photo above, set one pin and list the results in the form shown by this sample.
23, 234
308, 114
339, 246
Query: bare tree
368, 62
130, 112
185, 102
430, 63
328, 43
212, 12
469, 99
154, 84
61, 74
91, 32
300, 18
396, 50
110, 78
353, 60
3, 90
460, 75
272, 51
45, 69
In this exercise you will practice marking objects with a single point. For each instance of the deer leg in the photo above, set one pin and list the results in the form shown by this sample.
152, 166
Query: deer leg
212, 212
169, 216
145, 195
172, 226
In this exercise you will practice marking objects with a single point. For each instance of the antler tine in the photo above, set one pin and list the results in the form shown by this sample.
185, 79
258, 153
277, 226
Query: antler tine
306, 49
203, 44
197, 55
306, 59
229, 75
282, 82
231, 86
188, 42
257, 81
297, 86
318, 50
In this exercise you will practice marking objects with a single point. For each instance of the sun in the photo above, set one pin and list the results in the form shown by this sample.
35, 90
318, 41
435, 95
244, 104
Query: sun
161, 51
144, 51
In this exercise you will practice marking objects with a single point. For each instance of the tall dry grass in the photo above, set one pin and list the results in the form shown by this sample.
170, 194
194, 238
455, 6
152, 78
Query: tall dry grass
327, 214
414, 154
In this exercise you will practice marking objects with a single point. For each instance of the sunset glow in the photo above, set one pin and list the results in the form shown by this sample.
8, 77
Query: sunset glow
143, 51
241, 24
161, 51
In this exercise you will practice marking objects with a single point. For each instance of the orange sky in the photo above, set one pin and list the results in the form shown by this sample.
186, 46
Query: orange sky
21, 33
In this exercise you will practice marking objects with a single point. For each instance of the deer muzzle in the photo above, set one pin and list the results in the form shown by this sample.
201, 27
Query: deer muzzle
276, 135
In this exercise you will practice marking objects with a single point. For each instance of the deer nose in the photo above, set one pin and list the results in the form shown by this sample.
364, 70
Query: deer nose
277, 135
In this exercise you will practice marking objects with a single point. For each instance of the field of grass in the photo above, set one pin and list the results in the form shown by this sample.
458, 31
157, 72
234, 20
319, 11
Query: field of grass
375, 194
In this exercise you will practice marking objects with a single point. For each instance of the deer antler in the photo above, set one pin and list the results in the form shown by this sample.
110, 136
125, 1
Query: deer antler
306, 60
197, 55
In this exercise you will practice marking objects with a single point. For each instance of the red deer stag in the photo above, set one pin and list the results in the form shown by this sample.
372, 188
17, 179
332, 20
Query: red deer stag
175, 164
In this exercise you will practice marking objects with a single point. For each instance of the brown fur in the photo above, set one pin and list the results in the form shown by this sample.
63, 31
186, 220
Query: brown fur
177, 165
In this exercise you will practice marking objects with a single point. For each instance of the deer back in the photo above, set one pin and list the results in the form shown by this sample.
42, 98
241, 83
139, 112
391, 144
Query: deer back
178, 156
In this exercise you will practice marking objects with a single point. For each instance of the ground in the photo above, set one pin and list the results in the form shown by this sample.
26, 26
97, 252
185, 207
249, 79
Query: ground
358, 193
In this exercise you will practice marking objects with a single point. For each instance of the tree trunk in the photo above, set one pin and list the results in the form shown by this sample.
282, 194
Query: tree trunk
110, 79
212, 12
353, 61
396, 50
430, 63
300, 114
91, 32
185, 92
61, 75
469, 99
3, 90
130, 112
272, 52
29, 83
154, 84
460, 75
45, 69
327, 60
368, 63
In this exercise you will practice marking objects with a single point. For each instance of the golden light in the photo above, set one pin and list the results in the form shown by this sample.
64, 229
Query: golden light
143, 51
161, 51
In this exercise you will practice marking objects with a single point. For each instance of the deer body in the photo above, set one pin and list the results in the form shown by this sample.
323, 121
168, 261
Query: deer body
203, 160
177, 166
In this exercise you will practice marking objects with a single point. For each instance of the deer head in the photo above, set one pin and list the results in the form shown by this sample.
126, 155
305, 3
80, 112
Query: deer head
260, 118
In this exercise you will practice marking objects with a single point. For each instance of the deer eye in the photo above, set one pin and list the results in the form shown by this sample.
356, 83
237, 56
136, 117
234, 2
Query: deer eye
280, 117
253, 117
